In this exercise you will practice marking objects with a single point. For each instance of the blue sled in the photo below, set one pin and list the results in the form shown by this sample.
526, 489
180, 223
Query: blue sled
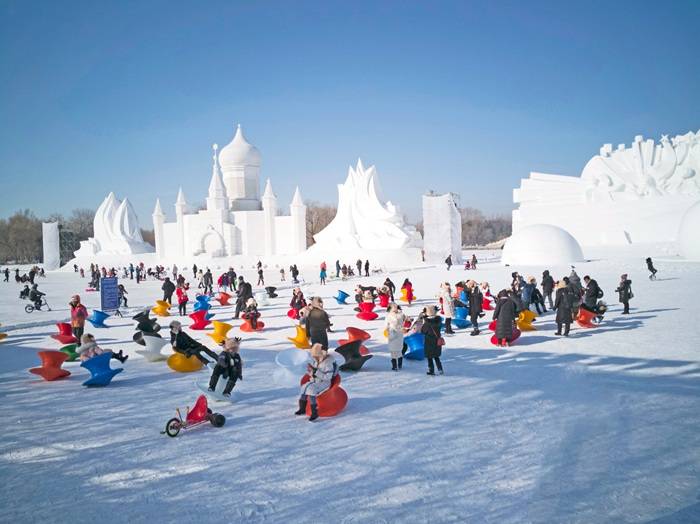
416, 346
341, 297
99, 368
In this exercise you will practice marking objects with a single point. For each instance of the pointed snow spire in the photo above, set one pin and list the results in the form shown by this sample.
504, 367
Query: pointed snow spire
180, 197
216, 186
360, 167
296, 199
268, 190
158, 211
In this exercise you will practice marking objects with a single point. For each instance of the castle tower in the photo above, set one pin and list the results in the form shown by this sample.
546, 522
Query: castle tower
269, 205
240, 167
297, 210
216, 200
158, 221
180, 211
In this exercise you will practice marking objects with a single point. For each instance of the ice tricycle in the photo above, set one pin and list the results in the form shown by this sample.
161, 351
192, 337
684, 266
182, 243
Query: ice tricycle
199, 414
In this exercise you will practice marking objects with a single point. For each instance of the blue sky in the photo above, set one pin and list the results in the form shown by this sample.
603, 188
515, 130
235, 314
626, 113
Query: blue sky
452, 96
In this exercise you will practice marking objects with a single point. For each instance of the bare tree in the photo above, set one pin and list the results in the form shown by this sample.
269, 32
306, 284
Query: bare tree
318, 216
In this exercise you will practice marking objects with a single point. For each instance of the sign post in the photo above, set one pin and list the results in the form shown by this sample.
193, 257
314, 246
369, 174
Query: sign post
109, 295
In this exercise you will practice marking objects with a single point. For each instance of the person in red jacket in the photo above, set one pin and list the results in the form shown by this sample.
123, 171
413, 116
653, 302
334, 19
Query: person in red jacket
182, 299
78, 314
409, 290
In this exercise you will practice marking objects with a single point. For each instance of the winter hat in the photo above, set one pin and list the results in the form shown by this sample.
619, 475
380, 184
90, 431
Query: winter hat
175, 325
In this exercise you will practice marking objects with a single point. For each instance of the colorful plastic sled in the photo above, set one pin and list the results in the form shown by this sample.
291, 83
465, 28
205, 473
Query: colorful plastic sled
248, 327
367, 311
97, 318
270, 290
202, 303
330, 402
356, 334
354, 360
497, 342
223, 298
101, 373
65, 334
524, 320
341, 297
182, 364
70, 351
460, 320
51, 362
145, 323
154, 345
200, 319
585, 318
416, 346
221, 329
300, 340
161, 309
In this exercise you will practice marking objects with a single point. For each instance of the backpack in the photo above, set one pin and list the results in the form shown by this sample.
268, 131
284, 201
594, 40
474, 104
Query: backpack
600, 293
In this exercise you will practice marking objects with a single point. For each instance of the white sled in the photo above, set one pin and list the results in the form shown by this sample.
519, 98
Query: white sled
154, 345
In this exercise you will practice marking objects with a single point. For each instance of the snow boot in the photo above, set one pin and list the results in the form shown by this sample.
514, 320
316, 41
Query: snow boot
302, 407
314, 413
400, 362
393, 365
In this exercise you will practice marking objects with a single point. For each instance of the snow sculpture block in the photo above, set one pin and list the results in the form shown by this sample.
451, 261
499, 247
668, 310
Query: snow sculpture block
639, 192
541, 245
442, 228
51, 244
689, 233
364, 220
116, 229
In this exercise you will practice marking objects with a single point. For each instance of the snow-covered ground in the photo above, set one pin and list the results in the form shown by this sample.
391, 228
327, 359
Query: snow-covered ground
599, 427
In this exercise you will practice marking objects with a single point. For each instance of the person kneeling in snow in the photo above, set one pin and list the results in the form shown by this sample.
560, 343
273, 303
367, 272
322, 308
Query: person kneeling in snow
321, 371
88, 348
186, 345
229, 365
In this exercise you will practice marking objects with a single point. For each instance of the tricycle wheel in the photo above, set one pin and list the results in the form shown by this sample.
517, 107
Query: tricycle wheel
29, 308
173, 427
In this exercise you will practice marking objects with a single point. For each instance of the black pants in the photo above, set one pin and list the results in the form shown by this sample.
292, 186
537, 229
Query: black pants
78, 332
397, 363
182, 309
168, 297
319, 337
240, 305
218, 371
431, 366
448, 326
208, 290
197, 352
537, 307
567, 326
627, 307
474, 319
548, 296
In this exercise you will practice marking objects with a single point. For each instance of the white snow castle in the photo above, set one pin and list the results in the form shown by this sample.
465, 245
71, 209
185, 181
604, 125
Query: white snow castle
236, 220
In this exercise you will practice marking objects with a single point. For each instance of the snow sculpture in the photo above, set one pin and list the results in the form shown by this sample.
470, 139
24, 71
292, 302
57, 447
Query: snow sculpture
688, 233
639, 193
51, 243
363, 219
236, 219
541, 245
116, 229
442, 228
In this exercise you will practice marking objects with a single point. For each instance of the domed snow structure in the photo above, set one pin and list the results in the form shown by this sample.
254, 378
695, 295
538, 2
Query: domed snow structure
688, 236
541, 245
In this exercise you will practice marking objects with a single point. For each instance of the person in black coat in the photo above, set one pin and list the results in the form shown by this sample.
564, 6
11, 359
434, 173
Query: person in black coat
168, 289
448, 261
547, 287
431, 330
591, 293
505, 314
229, 365
317, 323
625, 293
476, 302
244, 293
563, 305
392, 287
186, 345
652, 269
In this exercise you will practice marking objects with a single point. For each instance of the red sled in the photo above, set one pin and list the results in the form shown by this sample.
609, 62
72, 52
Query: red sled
516, 335
330, 402
293, 314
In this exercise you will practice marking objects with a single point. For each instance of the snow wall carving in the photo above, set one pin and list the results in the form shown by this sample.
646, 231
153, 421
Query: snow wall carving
442, 228
632, 194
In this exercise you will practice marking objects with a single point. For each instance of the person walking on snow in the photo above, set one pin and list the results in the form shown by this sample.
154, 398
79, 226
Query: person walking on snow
476, 302
182, 299
448, 261
650, 267
547, 287
445, 295
563, 304
433, 340
395, 320
624, 289
78, 314
366, 268
168, 289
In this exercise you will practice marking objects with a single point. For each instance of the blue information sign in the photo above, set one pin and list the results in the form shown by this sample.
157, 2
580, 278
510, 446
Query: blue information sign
109, 294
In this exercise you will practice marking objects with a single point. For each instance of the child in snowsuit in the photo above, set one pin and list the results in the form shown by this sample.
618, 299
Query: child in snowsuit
321, 371
625, 293
251, 313
88, 348
652, 269
229, 365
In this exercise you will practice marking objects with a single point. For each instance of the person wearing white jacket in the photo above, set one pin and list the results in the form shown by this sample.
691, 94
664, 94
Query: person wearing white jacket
321, 371
394, 326
448, 307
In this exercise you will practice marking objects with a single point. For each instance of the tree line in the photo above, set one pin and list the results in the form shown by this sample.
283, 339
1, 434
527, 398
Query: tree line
21, 235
